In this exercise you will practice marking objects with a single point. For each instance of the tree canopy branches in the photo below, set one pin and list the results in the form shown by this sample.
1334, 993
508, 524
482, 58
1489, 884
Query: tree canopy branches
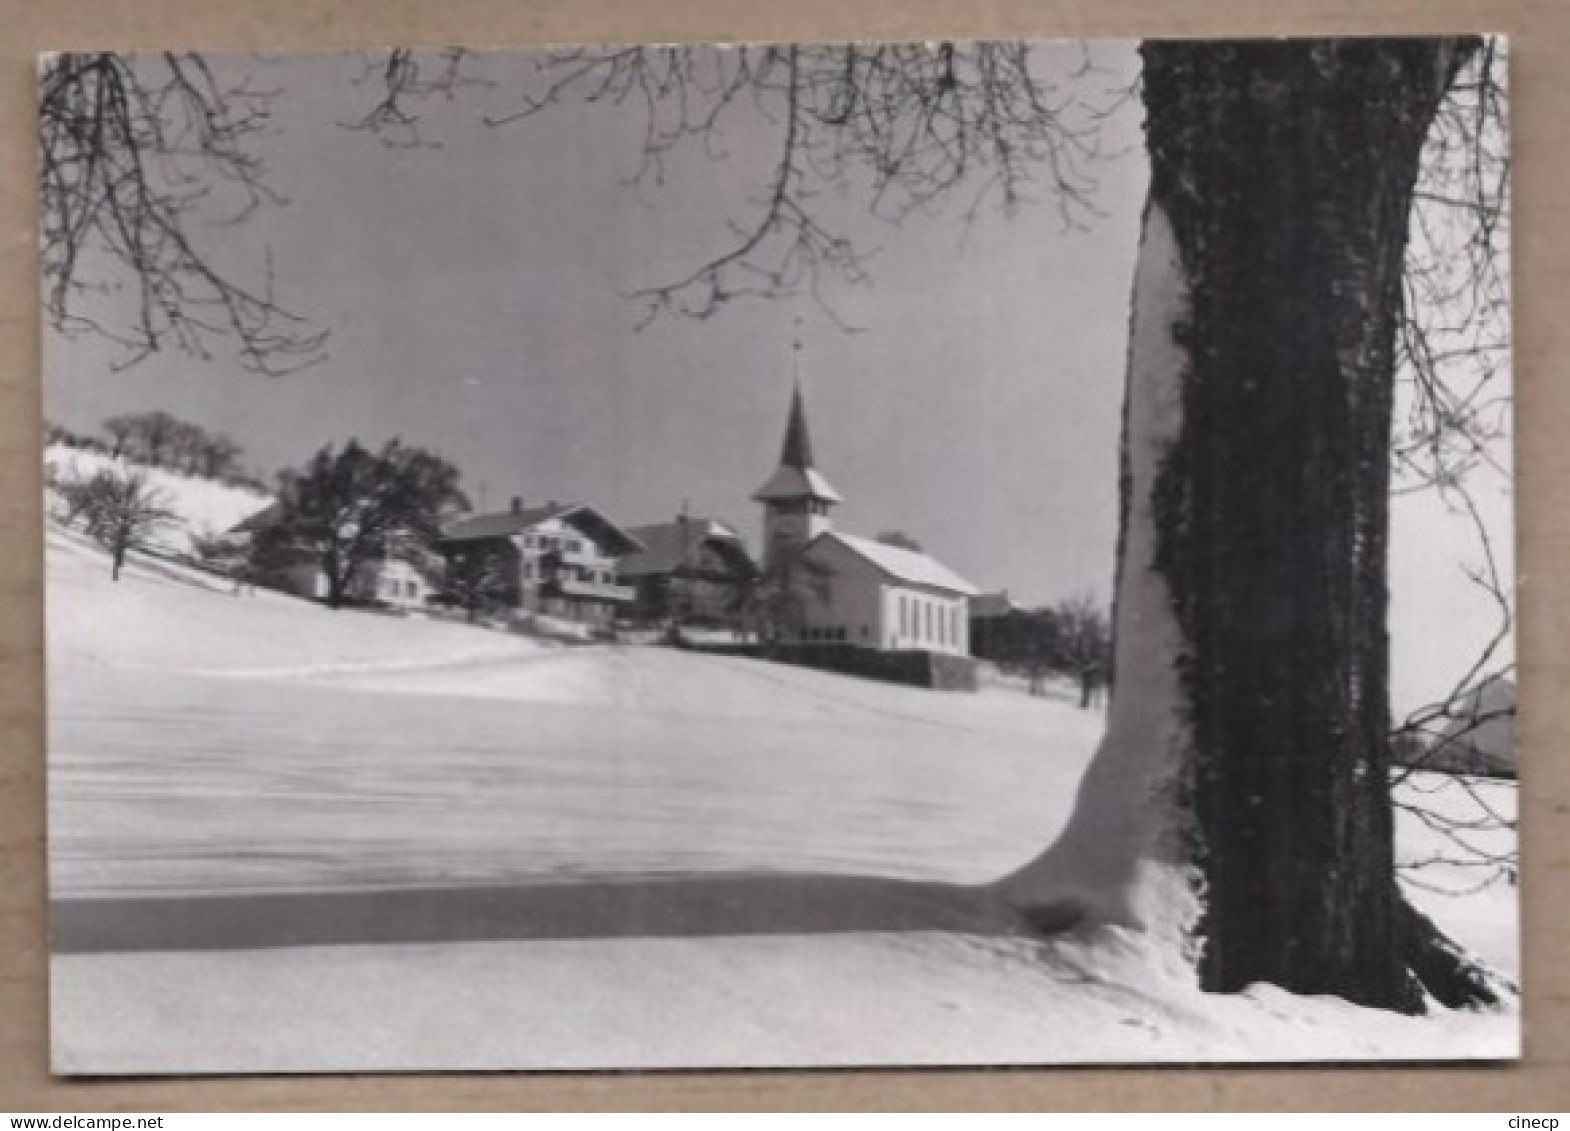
911, 125
1454, 340
136, 152
404, 79
351, 507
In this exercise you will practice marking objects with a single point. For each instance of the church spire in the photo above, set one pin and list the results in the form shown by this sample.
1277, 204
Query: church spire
796, 480
797, 451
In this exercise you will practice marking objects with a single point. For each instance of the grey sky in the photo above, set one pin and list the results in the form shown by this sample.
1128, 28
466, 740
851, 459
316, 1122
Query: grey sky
476, 298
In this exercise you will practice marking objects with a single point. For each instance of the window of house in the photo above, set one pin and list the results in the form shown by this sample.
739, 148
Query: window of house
904, 615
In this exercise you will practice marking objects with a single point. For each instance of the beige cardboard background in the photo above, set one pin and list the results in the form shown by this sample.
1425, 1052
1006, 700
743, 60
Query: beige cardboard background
1541, 106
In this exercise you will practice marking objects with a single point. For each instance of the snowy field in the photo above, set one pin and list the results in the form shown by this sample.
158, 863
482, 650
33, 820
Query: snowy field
283, 838
205, 507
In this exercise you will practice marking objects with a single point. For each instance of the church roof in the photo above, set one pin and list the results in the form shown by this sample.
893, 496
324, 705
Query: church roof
797, 450
901, 564
796, 478
796, 483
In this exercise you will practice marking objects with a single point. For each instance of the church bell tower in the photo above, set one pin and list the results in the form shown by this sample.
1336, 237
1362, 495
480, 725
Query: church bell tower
796, 498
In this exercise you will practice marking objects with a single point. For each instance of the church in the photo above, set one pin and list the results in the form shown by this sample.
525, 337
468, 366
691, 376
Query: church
848, 589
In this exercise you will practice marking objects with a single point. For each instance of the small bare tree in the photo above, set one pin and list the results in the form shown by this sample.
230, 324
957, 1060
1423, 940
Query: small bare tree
122, 511
1084, 645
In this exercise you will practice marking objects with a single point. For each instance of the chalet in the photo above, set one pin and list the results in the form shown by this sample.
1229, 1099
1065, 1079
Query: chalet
405, 577
852, 590
559, 559
691, 570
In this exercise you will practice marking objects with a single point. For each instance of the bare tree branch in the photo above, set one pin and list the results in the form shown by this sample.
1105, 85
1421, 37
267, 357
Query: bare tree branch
910, 124
136, 152
405, 80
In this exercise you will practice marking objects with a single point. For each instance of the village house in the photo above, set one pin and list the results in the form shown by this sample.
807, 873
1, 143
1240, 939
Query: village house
406, 576
559, 559
689, 571
852, 590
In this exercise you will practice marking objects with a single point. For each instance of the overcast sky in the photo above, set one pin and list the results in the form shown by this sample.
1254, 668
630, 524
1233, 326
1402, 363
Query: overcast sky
476, 297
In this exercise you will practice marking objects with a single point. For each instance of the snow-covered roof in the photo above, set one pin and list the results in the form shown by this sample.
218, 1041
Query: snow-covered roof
911, 566
668, 544
796, 483
502, 523
506, 523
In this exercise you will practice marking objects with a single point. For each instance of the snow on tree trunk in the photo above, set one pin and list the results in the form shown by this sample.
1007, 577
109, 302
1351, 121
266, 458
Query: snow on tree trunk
1122, 859
1240, 798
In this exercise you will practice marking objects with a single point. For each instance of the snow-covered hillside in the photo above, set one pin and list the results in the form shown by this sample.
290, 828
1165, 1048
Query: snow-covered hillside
469, 829
205, 506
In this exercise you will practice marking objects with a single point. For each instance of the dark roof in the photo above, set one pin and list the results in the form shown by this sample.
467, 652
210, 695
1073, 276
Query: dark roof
667, 544
987, 605
582, 516
797, 451
265, 519
796, 478
500, 524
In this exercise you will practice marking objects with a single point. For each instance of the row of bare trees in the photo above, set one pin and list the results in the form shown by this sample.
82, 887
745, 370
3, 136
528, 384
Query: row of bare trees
162, 440
1071, 640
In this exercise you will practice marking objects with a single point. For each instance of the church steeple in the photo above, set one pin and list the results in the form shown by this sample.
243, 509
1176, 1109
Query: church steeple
796, 498
797, 451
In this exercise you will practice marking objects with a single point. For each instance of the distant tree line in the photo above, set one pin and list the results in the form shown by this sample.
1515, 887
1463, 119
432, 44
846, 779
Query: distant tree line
344, 510
1070, 640
161, 440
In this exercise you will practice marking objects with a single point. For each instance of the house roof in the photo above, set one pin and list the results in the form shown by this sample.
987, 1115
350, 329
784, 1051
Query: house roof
503, 524
265, 519
666, 544
500, 524
910, 566
985, 605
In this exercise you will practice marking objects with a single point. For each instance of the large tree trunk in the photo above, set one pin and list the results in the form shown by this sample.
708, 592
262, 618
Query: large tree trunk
1241, 797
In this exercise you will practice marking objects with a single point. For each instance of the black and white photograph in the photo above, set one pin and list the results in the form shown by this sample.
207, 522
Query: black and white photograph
795, 555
